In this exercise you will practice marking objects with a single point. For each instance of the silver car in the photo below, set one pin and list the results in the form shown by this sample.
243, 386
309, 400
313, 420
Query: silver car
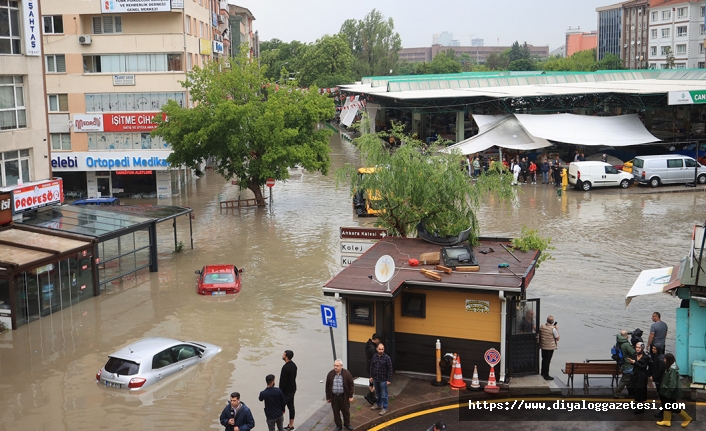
151, 360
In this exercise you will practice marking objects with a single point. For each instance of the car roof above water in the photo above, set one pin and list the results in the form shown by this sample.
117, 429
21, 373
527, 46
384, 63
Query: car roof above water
145, 348
218, 268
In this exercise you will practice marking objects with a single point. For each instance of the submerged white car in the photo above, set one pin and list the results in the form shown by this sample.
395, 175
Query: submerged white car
151, 360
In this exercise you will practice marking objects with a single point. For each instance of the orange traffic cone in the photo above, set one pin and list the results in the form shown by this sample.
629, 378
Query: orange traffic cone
456, 380
475, 384
491, 387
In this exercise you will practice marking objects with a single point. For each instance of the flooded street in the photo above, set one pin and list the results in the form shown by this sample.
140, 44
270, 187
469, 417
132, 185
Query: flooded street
603, 240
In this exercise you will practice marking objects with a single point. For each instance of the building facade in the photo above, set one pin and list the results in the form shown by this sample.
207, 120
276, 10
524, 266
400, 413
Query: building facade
610, 25
635, 30
577, 40
24, 151
110, 67
242, 31
676, 34
478, 53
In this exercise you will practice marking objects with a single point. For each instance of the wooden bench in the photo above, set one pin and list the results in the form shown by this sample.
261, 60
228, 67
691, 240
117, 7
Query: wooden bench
595, 368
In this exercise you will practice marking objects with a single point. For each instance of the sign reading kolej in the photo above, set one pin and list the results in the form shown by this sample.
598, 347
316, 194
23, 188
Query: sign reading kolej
125, 6
694, 97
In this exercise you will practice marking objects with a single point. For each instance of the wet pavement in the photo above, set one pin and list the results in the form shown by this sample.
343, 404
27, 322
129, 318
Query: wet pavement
603, 239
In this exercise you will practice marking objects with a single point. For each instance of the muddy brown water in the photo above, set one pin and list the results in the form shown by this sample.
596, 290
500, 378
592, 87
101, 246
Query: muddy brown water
603, 240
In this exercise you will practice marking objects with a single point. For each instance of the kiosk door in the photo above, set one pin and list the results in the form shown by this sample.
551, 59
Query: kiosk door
523, 339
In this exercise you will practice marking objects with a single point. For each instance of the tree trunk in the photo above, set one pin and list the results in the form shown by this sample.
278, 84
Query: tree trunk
254, 187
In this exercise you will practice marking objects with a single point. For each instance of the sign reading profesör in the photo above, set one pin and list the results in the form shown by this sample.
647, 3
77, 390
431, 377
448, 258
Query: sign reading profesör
111, 160
37, 195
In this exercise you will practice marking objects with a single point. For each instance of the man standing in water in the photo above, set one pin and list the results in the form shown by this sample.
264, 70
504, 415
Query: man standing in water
288, 385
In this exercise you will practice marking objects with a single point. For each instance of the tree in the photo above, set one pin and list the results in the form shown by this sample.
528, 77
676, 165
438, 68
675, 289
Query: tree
670, 57
515, 52
521, 64
496, 61
326, 63
415, 185
611, 62
251, 128
445, 62
275, 54
374, 43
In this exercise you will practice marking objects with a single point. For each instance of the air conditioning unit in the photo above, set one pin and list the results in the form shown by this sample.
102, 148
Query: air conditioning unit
222, 19
84, 39
218, 38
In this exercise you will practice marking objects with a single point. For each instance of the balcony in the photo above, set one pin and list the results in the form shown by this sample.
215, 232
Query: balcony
224, 5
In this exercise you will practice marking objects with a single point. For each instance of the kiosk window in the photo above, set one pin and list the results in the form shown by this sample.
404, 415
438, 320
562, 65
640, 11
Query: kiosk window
361, 313
414, 305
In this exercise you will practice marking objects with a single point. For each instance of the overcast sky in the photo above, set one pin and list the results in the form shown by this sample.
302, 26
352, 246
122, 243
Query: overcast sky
539, 22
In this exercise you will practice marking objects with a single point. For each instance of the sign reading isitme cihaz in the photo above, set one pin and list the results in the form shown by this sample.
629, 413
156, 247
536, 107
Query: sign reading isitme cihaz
125, 6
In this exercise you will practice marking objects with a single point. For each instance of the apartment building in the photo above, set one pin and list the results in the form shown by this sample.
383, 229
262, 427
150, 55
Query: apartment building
24, 151
635, 23
242, 31
577, 40
110, 67
477, 53
676, 29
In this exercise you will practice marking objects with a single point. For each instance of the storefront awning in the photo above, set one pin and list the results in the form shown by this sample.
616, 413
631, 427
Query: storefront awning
26, 247
505, 132
653, 281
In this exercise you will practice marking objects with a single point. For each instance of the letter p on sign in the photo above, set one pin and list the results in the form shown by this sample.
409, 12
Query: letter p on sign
328, 316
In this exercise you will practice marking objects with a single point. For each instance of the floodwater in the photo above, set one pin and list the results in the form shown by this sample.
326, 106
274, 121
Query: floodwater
603, 239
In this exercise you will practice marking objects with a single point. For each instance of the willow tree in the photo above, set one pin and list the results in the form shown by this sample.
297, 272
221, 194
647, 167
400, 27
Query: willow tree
251, 128
416, 183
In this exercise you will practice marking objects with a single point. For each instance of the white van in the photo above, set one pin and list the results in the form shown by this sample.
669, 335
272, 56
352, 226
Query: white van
667, 169
585, 175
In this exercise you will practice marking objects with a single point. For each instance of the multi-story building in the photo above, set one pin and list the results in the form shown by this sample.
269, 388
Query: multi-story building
477, 53
635, 32
577, 40
221, 32
676, 31
110, 67
242, 32
24, 149
610, 24
445, 38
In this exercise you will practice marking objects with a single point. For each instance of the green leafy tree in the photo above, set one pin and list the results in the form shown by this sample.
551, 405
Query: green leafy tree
275, 55
610, 62
521, 64
515, 52
374, 43
326, 63
415, 184
445, 62
670, 57
498, 61
251, 128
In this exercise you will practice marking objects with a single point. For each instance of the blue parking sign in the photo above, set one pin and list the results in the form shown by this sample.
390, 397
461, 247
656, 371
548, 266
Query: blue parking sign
328, 316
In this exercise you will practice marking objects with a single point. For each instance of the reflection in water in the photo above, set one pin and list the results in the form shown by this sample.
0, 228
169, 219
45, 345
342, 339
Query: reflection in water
288, 251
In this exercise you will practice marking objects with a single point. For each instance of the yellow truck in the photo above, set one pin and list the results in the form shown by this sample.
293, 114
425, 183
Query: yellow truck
366, 202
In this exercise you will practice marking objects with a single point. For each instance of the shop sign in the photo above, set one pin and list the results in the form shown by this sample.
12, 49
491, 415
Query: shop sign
88, 122
127, 6
477, 306
217, 47
696, 97
37, 195
125, 163
121, 80
30, 14
362, 233
137, 122
177, 4
205, 47
5, 208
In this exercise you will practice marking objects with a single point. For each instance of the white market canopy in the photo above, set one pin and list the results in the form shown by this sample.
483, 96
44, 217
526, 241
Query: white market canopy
649, 282
527, 132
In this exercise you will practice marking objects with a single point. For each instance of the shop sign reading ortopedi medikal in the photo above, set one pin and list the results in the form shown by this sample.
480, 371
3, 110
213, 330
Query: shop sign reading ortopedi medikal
111, 161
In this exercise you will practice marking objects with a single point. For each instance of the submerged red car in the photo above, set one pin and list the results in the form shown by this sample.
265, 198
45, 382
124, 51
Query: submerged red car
218, 280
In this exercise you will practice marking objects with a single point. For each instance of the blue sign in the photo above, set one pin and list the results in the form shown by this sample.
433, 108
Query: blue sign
328, 316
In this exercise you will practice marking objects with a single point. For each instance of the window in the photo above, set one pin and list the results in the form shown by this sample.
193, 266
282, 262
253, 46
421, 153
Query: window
701, 29
131, 102
653, 50
187, 25
682, 12
680, 65
13, 114
201, 28
174, 62
15, 167
702, 12
102, 141
664, 66
654, 16
58, 102
125, 63
10, 42
665, 33
414, 305
360, 312
675, 163
681, 31
107, 24
681, 49
653, 33
666, 14
701, 63
56, 63
53, 24
664, 50
60, 141
189, 61
690, 163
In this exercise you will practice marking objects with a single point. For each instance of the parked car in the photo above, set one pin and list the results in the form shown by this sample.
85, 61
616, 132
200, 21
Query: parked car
667, 169
151, 360
585, 175
218, 280
109, 200
627, 167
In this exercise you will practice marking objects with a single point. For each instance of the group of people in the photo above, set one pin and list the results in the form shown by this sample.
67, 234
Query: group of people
550, 168
236, 416
641, 365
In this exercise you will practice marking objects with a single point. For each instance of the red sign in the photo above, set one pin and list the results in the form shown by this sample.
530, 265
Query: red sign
270, 182
129, 122
133, 172
38, 195
5, 208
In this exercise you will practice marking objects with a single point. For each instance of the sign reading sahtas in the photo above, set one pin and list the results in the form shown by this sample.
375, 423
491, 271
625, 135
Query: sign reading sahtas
125, 6
477, 306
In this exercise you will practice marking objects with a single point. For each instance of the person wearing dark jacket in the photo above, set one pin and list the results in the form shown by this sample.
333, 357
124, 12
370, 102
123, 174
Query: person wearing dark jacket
370, 347
670, 392
339, 393
381, 376
545, 171
288, 384
274, 404
621, 340
657, 371
641, 365
236, 416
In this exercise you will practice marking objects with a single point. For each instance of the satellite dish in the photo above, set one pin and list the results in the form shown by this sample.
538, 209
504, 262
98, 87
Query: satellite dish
384, 269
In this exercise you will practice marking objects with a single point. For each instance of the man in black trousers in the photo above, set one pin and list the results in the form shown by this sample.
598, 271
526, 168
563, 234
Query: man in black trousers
288, 385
